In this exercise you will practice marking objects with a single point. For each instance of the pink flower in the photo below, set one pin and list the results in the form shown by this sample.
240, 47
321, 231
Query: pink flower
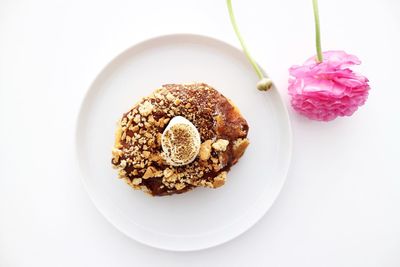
326, 90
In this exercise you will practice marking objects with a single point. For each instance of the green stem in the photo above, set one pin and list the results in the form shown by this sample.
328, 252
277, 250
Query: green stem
246, 52
317, 31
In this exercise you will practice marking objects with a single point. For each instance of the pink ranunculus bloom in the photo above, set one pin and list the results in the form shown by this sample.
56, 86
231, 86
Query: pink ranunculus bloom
326, 90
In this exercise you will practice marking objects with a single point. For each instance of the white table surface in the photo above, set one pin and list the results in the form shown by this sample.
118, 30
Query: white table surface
341, 202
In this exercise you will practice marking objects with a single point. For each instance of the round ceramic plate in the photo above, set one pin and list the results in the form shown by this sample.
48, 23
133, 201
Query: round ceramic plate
203, 217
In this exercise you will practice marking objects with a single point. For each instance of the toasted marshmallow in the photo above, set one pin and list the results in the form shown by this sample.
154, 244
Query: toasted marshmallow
180, 142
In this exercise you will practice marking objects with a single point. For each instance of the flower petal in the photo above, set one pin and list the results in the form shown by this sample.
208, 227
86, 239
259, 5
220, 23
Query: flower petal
323, 91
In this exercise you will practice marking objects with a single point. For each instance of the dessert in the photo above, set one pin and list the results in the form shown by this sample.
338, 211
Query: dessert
180, 137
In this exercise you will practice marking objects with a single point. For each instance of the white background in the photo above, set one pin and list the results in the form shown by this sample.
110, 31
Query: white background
341, 202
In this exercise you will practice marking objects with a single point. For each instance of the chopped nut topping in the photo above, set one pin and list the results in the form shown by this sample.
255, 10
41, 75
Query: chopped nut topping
123, 163
146, 154
156, 157
146, 108
177, 101
121, 173
150, 172
180, 186
123, 136
168, 172
137, 118
220, 145
159, 136
117, 152
170, 97
150, 119
219, 180
205, 150
136, 181
172, 178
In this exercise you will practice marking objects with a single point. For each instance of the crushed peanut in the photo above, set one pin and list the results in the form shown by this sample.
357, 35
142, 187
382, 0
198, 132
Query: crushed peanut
146, 108
220, 145
205, 150
136, 181
220, 180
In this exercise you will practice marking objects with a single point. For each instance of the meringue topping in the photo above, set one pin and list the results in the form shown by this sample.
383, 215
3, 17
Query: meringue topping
180, 142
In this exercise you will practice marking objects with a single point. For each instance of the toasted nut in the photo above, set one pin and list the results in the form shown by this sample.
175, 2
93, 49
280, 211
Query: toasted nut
177, 101
122, 164
156, 158
149, 172
171, 179
150, 119
146, 108
220, 145
121, 173
168, 172
137, 118
148, 135
135, 128
117, 152
159, 136
205, 150
136, 181
180, 186
170, 97
219, 180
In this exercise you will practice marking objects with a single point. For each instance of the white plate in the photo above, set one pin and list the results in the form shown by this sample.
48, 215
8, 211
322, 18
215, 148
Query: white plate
201, 218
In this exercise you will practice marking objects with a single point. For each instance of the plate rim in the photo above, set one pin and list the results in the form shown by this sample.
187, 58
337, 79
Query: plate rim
114, 59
